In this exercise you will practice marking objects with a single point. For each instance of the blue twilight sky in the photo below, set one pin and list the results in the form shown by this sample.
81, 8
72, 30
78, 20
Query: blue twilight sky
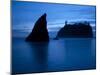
25, 14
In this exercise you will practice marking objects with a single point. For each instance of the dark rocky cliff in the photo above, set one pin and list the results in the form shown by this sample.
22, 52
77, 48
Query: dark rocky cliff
39, 32
76, 30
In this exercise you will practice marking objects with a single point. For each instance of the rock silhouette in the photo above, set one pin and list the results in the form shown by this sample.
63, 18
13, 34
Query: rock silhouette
78, 30
39, 32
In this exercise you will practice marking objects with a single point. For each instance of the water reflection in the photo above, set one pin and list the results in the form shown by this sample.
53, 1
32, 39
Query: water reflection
57, 55
71, 54
40, 55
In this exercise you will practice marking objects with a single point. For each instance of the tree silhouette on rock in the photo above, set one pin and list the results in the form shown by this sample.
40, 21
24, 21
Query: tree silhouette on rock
76, 30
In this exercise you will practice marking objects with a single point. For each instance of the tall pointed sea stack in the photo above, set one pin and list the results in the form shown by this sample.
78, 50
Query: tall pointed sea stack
39, 32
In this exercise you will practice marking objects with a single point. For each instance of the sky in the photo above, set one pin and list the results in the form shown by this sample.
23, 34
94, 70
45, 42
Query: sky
25, 14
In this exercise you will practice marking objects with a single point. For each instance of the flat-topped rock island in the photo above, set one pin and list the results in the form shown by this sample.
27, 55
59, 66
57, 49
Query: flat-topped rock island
76, 30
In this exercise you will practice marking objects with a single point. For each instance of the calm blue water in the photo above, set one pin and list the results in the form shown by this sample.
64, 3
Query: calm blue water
57, 55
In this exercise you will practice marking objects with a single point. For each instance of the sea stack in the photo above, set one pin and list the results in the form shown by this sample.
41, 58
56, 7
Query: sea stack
76, 30
39, 32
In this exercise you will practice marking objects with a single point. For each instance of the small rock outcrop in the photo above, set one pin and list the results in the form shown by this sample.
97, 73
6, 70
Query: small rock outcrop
39, 32
76, 30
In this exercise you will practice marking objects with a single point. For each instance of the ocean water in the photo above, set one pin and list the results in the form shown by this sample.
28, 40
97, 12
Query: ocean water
57, 55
